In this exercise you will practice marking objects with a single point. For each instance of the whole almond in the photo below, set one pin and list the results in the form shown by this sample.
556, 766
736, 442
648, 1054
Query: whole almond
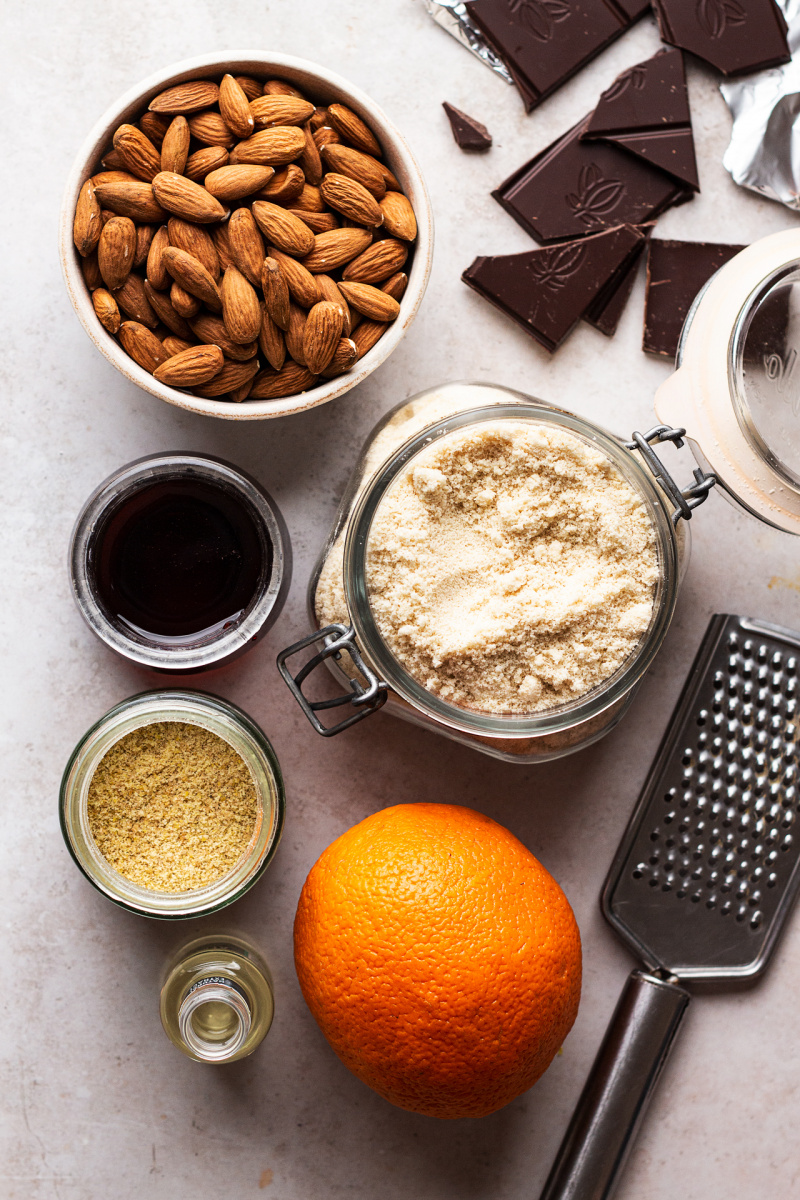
105, 216
112, 161
174, 345
279, 87
276, 294
271, 147
362, 167
107, 309
301, 283
144, 240
391, 182
210, 129
157, 272
246, 245
366, 334
142, 345
280, 110
132, 299
296, 332
377, 263
288, 233
272, 385
232, 376
164, 309
310, 161
137, 152
200, 164
185, 304
175, 147
154, 126
134, 200
322, 333
344, 356
90, 271
351, 199
329, 290
115, 251
241, 310
212, 330
398, 216
396, 285
317, 222
186, 199
271, 342
285, 187
370, 301
196, 365
251, 87
232, 183
113, 177
310, 198
333, 249
353, 129
186, 97
235, 107
325, 136
318, 118
222, 245
193, 277
195, 241
86, 227
237, 395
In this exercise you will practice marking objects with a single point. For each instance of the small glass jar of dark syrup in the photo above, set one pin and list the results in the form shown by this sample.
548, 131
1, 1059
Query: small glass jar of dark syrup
180, 562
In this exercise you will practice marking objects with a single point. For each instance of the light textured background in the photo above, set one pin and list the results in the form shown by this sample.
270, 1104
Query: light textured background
96, 1103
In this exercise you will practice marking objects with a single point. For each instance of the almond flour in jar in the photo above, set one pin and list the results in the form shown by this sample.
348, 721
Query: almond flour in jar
511, 567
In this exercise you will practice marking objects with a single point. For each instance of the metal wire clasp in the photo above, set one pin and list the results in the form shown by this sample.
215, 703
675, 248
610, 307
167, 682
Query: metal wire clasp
684, 500
367, 700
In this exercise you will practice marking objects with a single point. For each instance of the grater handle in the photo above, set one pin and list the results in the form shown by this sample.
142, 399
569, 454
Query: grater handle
618, 1090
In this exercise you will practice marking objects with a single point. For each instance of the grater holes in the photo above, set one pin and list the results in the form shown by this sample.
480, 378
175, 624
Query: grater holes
755, 920
702, 717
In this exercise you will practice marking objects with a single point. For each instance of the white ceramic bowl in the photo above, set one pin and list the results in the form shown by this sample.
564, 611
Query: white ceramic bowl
321, 85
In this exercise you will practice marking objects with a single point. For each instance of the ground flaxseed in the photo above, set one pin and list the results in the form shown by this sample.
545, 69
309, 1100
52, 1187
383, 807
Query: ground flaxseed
172, 806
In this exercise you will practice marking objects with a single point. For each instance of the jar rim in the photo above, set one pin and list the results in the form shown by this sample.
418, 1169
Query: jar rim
560, 717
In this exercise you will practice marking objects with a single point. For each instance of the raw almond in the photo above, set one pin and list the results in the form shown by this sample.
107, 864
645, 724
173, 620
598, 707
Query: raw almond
310, 198
175, 147
200, 164
142, 345
285, 187
318, 118
279, 87
91, 272
362, 167
174, 345
333, 249
351, 199
377, 263
241, 310
107, 309
195, 241
115, 251
329, 290
276, 294
166, 312
86, 227
235, 107
186, 97
246, 245
144, 240
241, 393
322, 333
212, 330
137, 152
221, 240
366, 334
157, 272
232, 376
196, 365
398, 216
134, 200
186, 199
193, 277
185, 304
310, 161
210, 129
370, 301
132, 299
272, 385
325, 136
113, 177
392, 183
271, 147
232, 183
272, 342
251, 87
112, 161
396, 285
283, 230
280, 110
154, 126
296, 332
317, 222
300, 281
344, 356
353, 129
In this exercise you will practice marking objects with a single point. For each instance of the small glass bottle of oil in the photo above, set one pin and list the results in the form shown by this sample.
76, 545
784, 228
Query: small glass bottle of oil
216, 998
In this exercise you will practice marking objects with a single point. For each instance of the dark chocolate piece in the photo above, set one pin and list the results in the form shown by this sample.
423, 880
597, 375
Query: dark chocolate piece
605, 312
735, 36
575, 187
469, 133
646, 110
545, 42
676, 271
548, 290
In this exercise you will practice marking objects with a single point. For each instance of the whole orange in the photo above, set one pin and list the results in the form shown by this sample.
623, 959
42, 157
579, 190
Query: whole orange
440, 959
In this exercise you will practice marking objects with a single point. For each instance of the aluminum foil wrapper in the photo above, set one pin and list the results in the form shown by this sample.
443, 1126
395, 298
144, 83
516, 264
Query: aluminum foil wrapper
452, 15
764, 150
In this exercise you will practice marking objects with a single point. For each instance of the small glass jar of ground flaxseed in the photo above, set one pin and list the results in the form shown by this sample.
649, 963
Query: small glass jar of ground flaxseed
172, 805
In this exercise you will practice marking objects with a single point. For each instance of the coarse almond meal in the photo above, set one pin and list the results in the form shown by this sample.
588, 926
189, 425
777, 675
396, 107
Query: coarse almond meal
511, 567
172, 806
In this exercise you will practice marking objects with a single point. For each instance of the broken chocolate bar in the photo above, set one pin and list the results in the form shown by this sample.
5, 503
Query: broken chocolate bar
735, 36
549, 289
646, 110
676, 271
545, 42
575, 187
469, 133
605, 312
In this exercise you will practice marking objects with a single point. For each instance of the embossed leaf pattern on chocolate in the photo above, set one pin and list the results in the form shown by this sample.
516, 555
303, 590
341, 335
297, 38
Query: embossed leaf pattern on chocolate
596, 195
553, 269
636, 77
714, 16
539, 16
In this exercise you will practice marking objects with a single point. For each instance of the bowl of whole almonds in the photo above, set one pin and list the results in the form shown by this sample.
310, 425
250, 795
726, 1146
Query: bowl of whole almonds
246, 237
